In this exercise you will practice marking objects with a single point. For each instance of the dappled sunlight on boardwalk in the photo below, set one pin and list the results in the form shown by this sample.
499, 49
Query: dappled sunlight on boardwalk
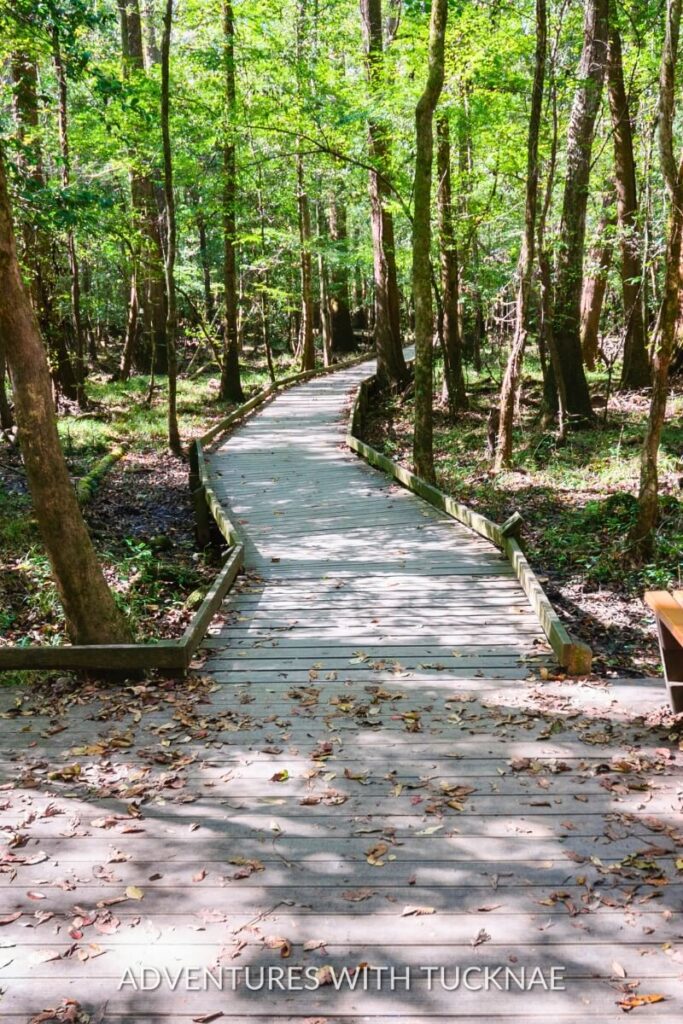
374, 763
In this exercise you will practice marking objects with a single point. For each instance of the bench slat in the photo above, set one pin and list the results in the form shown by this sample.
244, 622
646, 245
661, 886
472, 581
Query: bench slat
669, 608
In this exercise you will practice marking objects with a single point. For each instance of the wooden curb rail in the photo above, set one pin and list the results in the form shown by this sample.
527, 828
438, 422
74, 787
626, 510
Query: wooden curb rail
571, 654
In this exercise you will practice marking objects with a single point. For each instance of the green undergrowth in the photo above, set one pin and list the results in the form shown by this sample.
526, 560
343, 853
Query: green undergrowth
119, 412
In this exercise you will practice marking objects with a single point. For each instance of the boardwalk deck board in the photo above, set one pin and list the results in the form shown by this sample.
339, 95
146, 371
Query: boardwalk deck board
377, 661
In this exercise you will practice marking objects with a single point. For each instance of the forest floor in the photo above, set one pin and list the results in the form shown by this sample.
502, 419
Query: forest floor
141, 516
577, 500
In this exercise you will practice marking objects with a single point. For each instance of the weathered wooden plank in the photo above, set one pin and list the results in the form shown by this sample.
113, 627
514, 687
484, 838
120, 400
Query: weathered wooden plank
258, 817
162, 654
100, 988
438, 943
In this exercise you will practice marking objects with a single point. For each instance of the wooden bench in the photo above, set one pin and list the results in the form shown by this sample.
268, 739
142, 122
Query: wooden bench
668, 609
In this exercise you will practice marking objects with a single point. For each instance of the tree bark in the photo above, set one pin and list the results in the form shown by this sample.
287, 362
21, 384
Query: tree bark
391, 367
324, 285
231, 384
595, 284
513, 370
171, 234
423, 447
472, 343
454, 380
74, 268
340, 314
6, 415
152, 51
204, 259
306, 345
91, 613
265, 324
36, 243
151, 354
132, 321
636, 366
643, 532
569, 276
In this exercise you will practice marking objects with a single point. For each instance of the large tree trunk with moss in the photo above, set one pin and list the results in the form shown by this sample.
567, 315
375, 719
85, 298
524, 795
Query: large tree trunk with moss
423, 448
91, 614
231, 385
513, 370
569, 276
391, 367
171, 233
636, 367
643, 532
340, 314
595, 283
151, 285
454, 380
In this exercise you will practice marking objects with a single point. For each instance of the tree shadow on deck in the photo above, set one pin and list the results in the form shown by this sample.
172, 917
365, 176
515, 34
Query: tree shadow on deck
561, 857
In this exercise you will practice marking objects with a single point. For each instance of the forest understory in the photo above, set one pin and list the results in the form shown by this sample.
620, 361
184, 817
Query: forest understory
578, 501
140, 516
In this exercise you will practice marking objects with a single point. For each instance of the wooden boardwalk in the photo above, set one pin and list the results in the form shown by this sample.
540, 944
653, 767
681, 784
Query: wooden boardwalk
372, 765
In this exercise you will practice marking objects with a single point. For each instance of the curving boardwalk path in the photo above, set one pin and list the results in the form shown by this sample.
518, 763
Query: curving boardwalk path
372, 764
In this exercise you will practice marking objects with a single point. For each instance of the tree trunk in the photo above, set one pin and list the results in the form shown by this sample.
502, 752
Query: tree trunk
569, 276
6, 416
513, 371
91, 614
306, 346
74, 269
642, 535
130, 341
454, 380
340, 314
423, 448
152, 51
636, 367
472, 343
36, 243
171, 239
595, 284
324, 283
151, 354
391, 367
265, 325
231, 384
205, 262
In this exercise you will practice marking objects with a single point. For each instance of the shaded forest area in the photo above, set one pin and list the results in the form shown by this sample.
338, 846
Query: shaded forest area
199, 197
